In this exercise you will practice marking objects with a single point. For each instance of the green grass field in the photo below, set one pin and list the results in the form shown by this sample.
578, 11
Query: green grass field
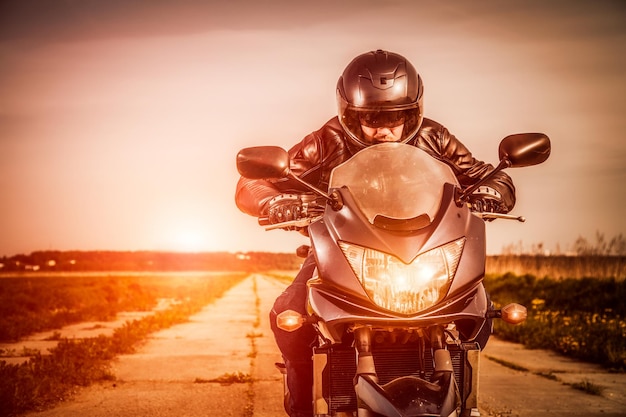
581, 318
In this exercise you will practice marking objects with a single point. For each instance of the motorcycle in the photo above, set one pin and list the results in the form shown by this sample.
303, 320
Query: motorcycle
397, 299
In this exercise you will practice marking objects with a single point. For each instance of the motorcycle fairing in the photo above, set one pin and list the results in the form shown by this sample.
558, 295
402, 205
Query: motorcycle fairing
394, 181
468, 310
407, 396
369, 217
349, 225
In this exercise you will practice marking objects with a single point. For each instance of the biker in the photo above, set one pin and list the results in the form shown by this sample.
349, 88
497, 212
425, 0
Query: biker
379, 99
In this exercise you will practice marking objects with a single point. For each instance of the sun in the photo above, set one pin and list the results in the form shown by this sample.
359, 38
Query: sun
190, 241
185, 233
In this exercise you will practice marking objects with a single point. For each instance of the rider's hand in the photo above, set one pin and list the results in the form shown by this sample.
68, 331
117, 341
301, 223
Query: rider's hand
284, 208
487, 200
486, 205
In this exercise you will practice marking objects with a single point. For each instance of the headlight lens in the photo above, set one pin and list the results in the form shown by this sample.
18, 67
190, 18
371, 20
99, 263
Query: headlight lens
405, 288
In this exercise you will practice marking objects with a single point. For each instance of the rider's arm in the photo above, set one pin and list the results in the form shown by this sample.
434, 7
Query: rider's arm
311, 159
252, 196
467, 168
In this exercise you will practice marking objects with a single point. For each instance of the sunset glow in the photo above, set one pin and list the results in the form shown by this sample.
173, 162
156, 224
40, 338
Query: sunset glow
120, 122
190, 241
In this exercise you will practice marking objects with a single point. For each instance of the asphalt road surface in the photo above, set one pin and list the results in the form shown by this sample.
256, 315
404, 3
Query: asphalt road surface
230, 341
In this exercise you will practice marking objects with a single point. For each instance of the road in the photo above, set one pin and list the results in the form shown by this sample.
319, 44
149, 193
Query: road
170, 374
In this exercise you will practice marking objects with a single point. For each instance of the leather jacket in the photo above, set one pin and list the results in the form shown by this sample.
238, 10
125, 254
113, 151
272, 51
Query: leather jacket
319, 152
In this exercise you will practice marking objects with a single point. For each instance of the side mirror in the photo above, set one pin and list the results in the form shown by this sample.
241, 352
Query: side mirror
263, 162
516, 151
524, 149
272, 162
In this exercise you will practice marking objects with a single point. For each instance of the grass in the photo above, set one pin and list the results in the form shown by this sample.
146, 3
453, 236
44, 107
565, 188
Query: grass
583, 318
46, 379
56, 336
253, 335
588, 387
239, 377
508, 364
30, 304
227, 379
547, 375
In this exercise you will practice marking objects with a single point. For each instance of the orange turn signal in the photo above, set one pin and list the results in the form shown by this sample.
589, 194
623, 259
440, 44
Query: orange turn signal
514, 313
289, 320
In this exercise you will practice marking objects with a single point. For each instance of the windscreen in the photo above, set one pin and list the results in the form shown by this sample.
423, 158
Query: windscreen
394, 180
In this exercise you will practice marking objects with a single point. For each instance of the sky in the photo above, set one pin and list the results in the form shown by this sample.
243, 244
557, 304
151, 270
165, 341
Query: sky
120, 120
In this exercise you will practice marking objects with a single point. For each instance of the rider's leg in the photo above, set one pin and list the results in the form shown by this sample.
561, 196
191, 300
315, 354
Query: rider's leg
296, 346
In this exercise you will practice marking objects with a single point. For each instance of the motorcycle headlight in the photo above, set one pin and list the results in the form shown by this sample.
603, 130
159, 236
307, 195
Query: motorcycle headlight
400, 287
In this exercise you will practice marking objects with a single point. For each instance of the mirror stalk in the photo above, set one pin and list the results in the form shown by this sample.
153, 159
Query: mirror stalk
334, 199
504, 163
309, 186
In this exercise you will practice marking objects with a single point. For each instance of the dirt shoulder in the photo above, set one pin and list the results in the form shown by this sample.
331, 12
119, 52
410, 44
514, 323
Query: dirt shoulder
169, 374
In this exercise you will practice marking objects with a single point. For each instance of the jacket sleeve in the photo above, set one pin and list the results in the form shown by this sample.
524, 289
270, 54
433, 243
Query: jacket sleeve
311, 159
252, 196
467, 168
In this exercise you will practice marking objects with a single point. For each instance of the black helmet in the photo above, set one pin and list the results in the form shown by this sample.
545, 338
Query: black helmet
382, 88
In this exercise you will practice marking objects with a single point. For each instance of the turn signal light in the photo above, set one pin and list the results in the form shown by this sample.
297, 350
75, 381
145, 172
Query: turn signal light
289, 320
514, 313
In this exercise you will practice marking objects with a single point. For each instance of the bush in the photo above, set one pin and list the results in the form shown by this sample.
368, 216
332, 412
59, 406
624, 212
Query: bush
581, 318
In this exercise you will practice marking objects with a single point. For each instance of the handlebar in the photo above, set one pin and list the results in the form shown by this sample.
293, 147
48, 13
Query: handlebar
493, 216
297, 224
305, 221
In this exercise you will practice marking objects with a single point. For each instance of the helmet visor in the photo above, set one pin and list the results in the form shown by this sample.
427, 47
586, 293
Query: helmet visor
354, 118
378, 119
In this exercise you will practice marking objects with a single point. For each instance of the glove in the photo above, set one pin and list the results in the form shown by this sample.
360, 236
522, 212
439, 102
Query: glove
487, 200
284, 208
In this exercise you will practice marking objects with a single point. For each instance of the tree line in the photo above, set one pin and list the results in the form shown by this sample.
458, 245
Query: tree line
590, 261
80, 261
